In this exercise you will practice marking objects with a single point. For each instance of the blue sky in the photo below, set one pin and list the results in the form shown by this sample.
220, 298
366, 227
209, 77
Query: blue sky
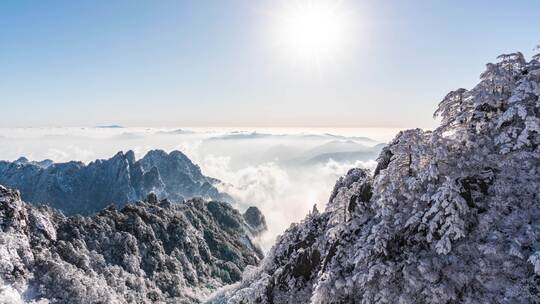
212, 63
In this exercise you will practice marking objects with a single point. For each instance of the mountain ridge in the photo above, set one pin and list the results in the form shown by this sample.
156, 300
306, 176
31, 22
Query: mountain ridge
75, 187
148, 251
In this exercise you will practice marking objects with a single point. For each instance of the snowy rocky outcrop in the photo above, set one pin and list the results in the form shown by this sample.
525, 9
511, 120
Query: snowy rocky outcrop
76, 188
448, 216
152, 251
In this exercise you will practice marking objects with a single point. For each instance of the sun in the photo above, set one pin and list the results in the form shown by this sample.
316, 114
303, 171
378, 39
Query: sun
312, 31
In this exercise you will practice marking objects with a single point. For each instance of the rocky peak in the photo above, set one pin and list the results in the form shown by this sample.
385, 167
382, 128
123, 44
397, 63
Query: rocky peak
130, 156
75, 187
22, 160
152, 198
255, 219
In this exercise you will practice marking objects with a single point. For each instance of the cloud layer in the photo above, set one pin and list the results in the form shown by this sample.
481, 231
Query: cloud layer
282, 173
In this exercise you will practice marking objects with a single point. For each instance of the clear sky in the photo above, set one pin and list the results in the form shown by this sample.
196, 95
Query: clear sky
218, 63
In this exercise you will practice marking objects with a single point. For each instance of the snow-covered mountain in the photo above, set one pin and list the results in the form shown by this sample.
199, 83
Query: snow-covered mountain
146, 252
448, 216
74, 187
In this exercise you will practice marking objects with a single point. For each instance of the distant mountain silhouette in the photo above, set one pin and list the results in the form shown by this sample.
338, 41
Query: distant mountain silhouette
74, 187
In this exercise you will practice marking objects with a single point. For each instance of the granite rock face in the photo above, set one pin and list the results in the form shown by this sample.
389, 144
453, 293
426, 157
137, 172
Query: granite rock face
254, 217
151, 251
76, 188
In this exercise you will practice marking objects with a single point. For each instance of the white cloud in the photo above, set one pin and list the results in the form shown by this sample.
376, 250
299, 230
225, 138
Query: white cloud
262, 171
284, 195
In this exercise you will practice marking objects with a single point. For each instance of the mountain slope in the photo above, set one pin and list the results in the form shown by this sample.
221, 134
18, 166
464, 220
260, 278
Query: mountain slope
449, 216
74, 187
147, 252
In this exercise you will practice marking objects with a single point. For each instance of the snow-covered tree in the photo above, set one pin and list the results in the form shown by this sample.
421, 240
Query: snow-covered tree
453, 215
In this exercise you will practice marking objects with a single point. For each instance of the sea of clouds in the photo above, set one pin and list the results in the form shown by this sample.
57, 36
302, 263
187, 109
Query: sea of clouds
284, 172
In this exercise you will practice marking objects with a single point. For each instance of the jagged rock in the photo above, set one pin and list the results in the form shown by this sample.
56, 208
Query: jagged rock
147, 252
13, 215
255, 219
74, 187
152, 198
383, 160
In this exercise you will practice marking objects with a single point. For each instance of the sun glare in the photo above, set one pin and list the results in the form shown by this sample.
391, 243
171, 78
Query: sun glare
312, 31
